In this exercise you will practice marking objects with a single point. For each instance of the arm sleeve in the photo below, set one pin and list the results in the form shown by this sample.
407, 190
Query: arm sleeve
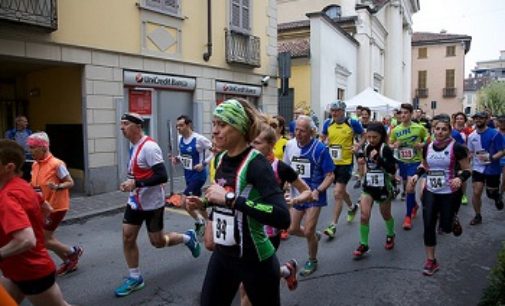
387, 161
286, 173
159, 177
270, 208
357, 127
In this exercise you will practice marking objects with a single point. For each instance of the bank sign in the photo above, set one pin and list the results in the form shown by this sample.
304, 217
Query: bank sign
238, 89
143, 79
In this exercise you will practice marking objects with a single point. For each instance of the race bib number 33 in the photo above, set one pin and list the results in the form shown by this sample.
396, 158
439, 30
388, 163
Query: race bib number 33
301, 166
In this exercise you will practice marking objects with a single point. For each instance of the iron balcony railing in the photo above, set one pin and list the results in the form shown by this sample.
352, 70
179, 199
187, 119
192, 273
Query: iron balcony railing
449, 92
39, 13
422, 92
242, 49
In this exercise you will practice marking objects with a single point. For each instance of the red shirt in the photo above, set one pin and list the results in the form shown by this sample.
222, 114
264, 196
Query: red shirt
20, 209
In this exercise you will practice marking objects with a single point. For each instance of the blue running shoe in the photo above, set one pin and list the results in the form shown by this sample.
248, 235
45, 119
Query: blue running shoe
193, 244
129, 285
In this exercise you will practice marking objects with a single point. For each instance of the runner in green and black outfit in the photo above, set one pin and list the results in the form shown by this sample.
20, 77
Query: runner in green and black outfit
242, 202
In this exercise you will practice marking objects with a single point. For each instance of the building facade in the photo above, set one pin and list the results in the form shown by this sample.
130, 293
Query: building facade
438, 69
369, 46
74, 67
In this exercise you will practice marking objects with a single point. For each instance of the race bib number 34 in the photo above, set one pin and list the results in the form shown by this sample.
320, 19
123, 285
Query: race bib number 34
301, 166
223, 228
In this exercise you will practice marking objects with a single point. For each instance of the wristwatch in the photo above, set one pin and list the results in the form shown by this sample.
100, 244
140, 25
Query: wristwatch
229, 197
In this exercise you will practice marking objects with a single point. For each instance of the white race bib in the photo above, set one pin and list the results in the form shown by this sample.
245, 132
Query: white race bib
435, 180
223, 228
301, 166
484, 157
336, 152
375, 178
406, 153
186, 161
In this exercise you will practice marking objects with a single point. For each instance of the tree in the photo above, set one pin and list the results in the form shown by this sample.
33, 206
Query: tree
492, 97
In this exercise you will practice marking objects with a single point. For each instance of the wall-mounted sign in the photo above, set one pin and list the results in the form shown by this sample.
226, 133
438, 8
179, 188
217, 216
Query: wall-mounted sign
140, 101
143, 79
237, 89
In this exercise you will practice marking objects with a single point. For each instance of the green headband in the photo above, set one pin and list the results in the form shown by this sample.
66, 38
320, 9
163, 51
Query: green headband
233, 113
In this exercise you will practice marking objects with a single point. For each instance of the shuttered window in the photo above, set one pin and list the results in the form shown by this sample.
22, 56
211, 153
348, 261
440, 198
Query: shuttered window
165, 6
421, 81
449, 78
450, 51
422, 53
240, 19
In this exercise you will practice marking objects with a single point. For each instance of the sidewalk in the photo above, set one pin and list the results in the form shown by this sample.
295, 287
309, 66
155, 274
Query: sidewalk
85, 207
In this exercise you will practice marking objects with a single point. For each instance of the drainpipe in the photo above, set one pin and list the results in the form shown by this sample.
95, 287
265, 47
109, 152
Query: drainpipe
208, 54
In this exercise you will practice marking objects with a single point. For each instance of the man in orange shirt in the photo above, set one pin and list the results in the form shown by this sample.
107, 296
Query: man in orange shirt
5, 298
50, 176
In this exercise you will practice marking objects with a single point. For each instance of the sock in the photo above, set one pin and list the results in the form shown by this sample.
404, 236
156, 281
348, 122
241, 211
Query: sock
364, 230
390, 227
411, 202
199, 221
134, 273
185, 238
284, 271
71, 250
167, 240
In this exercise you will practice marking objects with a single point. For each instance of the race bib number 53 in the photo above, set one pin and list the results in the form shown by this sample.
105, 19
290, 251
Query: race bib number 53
301, 166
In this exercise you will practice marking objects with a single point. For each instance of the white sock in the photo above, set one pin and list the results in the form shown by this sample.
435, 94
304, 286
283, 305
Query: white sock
284, 271
134, 273
199, 221
185, 238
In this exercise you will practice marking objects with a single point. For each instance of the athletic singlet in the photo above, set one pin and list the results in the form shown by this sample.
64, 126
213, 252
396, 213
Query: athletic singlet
408, 137
190, 157
440, 169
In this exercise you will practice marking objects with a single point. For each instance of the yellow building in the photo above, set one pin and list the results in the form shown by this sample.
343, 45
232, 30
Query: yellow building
73, 67
438, 71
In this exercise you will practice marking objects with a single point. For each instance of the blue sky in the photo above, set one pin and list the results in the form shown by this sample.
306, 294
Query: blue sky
484, 20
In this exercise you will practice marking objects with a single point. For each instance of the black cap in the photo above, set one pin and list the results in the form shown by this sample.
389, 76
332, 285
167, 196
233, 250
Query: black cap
481, 115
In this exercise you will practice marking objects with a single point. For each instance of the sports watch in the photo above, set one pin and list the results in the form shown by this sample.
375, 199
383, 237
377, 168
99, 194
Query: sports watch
229, 197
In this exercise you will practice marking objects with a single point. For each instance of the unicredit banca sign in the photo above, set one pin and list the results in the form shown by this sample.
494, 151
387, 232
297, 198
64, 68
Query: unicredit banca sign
143, 79
238, 89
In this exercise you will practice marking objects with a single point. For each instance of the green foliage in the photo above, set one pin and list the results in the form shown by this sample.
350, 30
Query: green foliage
492, 97
495, 293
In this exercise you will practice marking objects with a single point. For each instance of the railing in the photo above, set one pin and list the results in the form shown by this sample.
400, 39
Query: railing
422, 92
242, 49
449, 92
40, 13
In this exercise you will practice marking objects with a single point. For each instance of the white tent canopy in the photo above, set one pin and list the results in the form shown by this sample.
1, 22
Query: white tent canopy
373, 100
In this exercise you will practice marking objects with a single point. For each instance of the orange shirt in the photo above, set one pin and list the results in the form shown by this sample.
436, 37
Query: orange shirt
46, 171
5, 298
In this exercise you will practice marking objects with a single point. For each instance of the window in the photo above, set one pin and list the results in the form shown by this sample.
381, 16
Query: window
450, 51
421, 78
340, 94
164, 6
449, 78
240, 16
422, 53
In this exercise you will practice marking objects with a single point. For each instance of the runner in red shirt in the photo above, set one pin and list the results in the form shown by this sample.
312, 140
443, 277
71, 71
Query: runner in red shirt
26, 266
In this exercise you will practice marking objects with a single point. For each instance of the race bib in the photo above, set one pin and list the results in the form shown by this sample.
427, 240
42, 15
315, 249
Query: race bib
336, 152
375, 178
223, 228
301, 166
435, 180
406, 153
187, 162
484, 157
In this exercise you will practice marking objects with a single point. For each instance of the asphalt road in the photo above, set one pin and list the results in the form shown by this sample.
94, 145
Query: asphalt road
384, 277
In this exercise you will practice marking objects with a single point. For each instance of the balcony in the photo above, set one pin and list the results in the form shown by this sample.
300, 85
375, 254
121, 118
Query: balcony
449, 92
422, 92
242, 49
38, 13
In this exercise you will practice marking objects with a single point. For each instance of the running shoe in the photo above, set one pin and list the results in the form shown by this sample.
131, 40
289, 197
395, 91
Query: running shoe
330, 231
430, 267
193, 244
476, 220
200, 229
72, 262
357, 185
284, 234
361, 251
318, 235
403, 196
457, 230
413, 214
351, 213
309, 268
129, 285
464, 200
390, 242
291, 279
407, 223
499, 204
396, 192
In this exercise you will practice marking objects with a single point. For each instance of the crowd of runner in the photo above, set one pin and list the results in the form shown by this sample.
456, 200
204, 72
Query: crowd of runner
263, 186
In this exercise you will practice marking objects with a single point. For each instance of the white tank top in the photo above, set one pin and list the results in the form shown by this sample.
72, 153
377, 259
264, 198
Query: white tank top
440, 169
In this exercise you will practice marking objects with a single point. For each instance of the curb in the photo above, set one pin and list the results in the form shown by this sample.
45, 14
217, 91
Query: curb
83, 217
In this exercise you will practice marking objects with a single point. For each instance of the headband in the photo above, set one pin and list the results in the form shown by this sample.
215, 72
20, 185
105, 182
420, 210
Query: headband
132, 118
233, 113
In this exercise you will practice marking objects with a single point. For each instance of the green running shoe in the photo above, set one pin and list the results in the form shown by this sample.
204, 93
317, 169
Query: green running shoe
330, 231
351, 213
464, 200
309, 268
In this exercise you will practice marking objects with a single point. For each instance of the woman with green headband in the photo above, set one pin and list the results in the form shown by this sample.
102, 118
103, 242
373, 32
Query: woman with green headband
244, 196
